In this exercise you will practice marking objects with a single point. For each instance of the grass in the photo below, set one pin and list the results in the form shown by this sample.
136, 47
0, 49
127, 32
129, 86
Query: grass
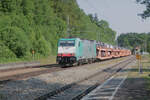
145, 62
137, 85
146, 65
43, 60
148, 82
48, 60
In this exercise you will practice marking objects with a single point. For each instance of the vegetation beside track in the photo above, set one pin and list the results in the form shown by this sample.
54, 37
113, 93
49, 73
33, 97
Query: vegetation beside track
136, 86
48, 60
146, 70
28, 26
148, 82
132, 40
139, 82
145, 63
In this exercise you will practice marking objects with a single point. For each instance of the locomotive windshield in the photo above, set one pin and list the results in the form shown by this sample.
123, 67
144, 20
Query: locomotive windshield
67, 43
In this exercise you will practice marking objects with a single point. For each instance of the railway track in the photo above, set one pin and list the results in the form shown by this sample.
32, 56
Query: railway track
22, 68
77, 90
24, 74
7, 75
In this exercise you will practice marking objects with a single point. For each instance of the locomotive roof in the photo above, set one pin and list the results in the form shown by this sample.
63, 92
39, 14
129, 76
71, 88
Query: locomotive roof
97, 43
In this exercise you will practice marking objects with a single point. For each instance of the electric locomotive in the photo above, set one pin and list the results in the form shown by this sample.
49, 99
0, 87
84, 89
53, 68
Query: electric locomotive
75, 51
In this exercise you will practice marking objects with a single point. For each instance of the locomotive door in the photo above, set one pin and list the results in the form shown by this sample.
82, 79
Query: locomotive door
80, 50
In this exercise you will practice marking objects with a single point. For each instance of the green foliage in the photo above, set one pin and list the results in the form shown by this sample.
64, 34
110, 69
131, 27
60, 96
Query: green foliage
16, 40
145, 13
132, 40
40, 45
27, 25
81, 25
148, 42
5, 52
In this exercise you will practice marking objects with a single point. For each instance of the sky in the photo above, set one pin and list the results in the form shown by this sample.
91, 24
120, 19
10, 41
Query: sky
122, 15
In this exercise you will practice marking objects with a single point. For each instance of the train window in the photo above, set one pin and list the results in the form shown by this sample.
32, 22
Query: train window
67, 43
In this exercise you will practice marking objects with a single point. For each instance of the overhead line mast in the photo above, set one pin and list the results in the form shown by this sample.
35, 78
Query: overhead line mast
68, 27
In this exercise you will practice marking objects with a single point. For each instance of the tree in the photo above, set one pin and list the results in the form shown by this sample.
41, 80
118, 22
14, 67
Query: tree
27, 25
5, 52
132, 40
16, 40
146, 13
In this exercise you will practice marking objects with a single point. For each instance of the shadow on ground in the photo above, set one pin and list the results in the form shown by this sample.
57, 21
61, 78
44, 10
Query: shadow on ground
47, 66
133, 89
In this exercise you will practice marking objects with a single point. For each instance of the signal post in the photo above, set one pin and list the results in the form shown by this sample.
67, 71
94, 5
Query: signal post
138, 57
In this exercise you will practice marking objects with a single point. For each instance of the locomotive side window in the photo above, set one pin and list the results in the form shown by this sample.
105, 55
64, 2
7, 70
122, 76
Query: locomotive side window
67, 43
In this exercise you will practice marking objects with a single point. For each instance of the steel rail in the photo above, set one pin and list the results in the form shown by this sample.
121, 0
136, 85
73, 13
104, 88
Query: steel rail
84, 93
66, 87
52, 68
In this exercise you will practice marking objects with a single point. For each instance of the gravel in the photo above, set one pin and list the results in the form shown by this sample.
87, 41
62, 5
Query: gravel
31, 88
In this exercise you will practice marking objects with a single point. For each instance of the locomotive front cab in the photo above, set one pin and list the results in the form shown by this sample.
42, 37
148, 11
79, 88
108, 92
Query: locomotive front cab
66, 51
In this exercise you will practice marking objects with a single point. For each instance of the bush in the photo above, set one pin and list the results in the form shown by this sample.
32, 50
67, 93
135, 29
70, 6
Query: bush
16, 40
5, 52
41, 46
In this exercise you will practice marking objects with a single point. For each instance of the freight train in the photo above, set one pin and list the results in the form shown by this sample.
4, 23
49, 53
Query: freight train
76, 51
